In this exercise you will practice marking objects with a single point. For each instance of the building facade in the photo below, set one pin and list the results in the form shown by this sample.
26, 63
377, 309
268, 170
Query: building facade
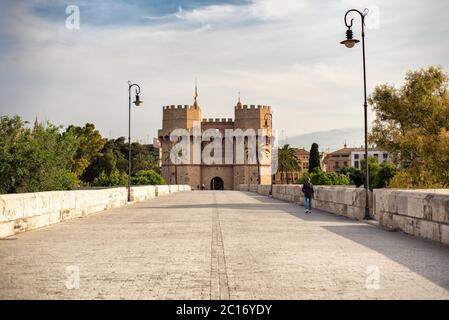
351, 157
228, 174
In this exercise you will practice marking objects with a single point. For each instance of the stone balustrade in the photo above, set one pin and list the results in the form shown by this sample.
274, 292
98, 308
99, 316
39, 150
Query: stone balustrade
422, 213
28, 211
345, 201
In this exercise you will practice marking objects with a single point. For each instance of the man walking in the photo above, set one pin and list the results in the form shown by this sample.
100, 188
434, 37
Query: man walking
308, 191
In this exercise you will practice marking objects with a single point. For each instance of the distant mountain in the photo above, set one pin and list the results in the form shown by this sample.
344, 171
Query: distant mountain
330, 140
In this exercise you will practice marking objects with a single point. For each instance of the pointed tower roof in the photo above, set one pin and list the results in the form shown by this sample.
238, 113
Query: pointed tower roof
239, 103
195, 99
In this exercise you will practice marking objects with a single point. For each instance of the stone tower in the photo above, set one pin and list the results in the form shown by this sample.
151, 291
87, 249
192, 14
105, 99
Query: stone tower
213, 176
253, 117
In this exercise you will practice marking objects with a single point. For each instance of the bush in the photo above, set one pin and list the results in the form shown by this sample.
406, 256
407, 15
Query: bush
116, 178
147, 177
386, 172
355, 175
319, 177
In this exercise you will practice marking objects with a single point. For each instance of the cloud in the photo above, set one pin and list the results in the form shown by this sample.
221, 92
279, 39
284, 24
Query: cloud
282, 53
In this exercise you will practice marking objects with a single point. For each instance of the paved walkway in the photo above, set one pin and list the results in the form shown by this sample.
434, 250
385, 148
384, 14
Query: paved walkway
220, 245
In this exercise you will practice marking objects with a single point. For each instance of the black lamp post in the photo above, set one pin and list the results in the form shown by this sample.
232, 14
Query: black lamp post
349, 43
137, 103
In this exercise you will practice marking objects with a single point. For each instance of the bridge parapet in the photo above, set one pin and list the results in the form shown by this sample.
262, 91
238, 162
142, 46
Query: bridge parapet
422, 213
28, 211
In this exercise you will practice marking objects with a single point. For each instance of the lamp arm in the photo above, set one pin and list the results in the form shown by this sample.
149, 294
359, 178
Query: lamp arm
134, 85
362, 16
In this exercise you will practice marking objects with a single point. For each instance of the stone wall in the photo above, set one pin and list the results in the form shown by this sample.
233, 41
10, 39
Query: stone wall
345, 201
28, 211
422, 213
142, 193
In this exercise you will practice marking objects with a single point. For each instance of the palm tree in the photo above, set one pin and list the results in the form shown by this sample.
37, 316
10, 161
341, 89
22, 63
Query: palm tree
287, 161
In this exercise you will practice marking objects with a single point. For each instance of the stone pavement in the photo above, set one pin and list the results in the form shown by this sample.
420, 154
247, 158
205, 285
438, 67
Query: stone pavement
220, 245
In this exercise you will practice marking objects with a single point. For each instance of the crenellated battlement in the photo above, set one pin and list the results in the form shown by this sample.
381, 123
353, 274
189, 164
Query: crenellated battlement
179, 107
252, 107
218, 120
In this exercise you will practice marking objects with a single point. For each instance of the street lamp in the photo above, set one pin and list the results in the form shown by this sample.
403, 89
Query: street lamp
350, 42
137, 102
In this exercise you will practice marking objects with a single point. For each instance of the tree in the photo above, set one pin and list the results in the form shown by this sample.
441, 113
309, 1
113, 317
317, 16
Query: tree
314, 158
114, 157
355, 175
110, 159
412, 125
89, 143
373, 168
386, 172
37, 159
287, 161
113, 179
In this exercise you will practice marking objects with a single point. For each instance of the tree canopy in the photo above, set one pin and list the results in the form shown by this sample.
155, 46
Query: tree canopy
314, 158
287, 160
46, 157
412, 124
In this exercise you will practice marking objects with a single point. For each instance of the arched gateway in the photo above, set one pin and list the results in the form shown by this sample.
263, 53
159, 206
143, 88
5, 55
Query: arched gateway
217, 184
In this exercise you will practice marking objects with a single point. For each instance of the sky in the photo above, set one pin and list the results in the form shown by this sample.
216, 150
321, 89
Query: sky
282, 53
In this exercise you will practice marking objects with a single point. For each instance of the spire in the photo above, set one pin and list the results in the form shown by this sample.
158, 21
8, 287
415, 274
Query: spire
195, 100
239, 103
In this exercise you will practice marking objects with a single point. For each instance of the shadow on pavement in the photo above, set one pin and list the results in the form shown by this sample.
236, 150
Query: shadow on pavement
426, 258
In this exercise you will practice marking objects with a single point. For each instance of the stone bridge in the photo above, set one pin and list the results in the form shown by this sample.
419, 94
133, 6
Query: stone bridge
210, 245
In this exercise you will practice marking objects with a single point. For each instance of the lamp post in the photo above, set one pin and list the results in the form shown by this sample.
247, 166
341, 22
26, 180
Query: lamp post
349, 42
137, 103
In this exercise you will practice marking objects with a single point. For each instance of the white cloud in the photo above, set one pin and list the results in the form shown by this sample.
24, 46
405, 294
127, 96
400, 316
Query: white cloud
285, 54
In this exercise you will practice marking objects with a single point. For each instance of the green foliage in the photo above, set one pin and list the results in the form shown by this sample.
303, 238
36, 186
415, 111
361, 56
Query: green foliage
412, 125
380, 174
110, 159
287, 161
114, 157
44, 158
89, 143
36, 159
319, 177
386, 172
147, 177
314, 158
373, 168
115, 178
355, 175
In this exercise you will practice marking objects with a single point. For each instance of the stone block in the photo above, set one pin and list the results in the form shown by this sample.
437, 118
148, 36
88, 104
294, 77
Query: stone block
415, 205
12, 207
429, 230
444, 233
387, 221
439, 209
6, 229
162, 190
353, 212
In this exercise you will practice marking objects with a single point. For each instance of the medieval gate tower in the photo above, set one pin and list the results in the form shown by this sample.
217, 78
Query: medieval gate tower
215, 176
